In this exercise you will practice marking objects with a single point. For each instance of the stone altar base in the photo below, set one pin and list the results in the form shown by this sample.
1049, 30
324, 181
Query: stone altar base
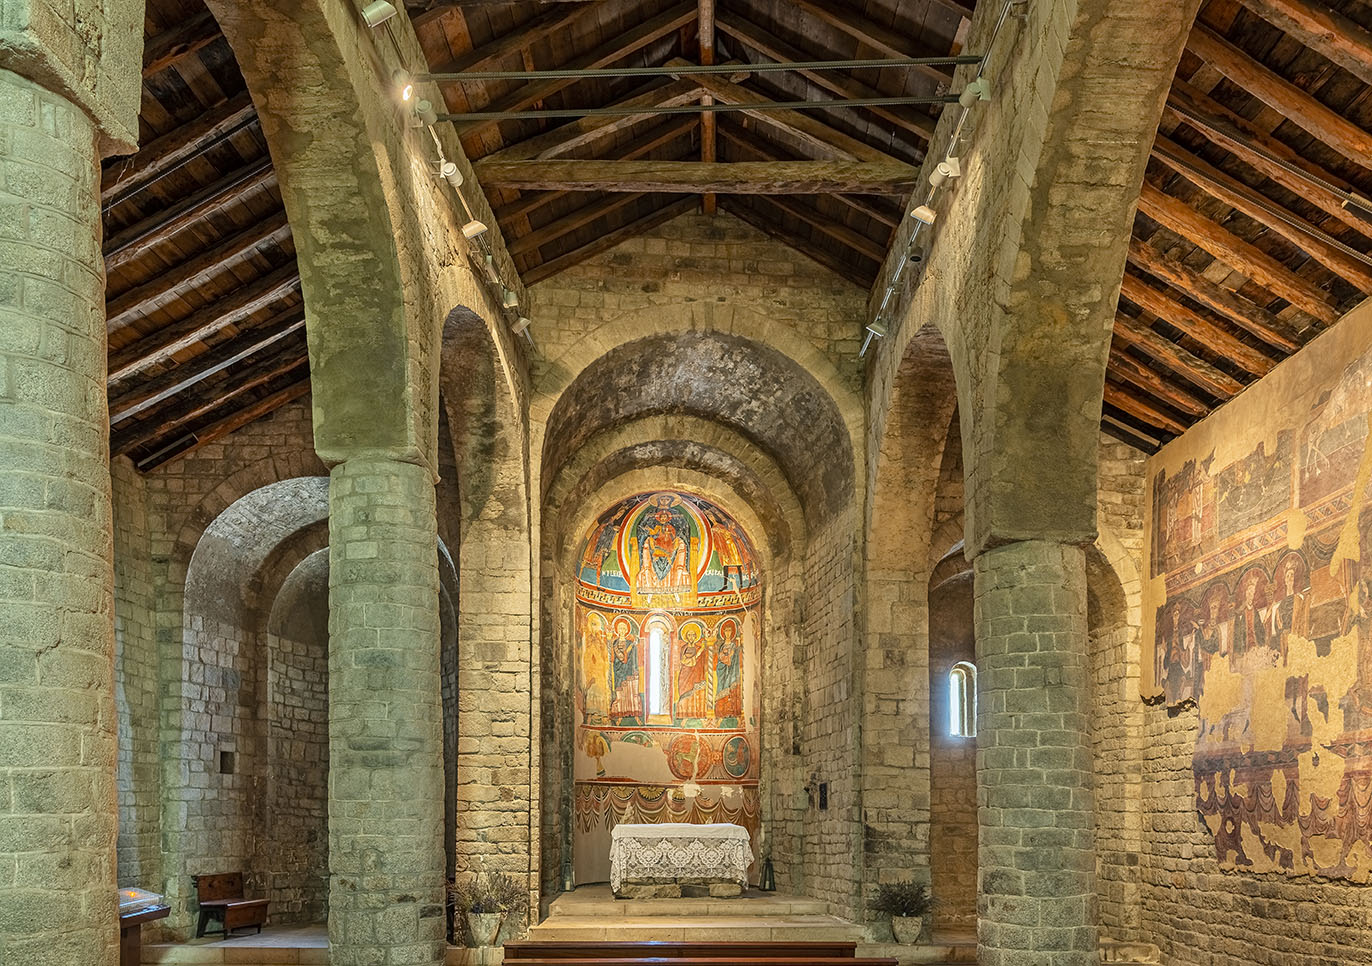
679, 888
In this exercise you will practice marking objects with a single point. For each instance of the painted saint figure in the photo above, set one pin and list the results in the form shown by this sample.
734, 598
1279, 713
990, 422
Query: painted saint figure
728, 675
664, 534
1290, 614
595, 671
692, 681
626, 705
1250, 629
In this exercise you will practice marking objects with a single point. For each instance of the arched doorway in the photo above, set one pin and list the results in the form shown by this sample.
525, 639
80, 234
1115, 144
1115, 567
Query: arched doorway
667, 691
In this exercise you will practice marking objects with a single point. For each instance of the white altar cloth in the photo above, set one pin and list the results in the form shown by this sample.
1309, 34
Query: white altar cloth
679, 850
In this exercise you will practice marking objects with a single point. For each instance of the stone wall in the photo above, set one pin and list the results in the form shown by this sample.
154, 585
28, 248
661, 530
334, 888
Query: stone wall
952, 762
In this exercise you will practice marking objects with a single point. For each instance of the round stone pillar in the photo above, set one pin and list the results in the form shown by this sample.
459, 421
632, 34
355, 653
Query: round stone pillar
386, 902
58, 818
1036, 903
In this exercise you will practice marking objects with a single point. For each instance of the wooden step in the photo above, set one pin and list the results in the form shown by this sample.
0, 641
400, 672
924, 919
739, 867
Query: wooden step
551, 948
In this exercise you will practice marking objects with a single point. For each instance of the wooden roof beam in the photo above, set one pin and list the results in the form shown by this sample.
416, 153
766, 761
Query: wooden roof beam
1196, 326
1258, 149
1237, 195
132, 395
690, 177
1327, 32
234, 421
622, 46
177, 412
1281, 95
171, 46
654, 139
1192, 368
771, 47
133, 242
705, 18
588, 130
799, 124
544, 25
871, 34
1247, 315
648, 222
125, 176
229, 310
1117, 396
569, 223
831, 228
804, 246
761, 150
1128, 369
125, 307
1177, 216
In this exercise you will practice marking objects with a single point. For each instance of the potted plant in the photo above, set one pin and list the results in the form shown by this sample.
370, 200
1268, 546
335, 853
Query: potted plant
907, 903
486, 901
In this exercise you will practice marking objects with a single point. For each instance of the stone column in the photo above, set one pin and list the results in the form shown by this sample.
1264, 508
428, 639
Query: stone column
386, 902
1036, 904
58, 816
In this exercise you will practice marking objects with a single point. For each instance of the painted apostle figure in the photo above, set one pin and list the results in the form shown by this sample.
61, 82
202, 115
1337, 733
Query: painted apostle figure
692, 680
595, 670
728, 675
626, 704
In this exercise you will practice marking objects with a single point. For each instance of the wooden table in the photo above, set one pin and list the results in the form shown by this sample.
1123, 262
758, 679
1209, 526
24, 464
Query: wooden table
667, 859
131, 932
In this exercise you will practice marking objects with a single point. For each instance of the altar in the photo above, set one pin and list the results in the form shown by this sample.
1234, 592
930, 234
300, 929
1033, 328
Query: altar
675, 859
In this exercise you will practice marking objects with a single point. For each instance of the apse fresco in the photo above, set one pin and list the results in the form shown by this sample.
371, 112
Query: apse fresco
1260, 593
668, 620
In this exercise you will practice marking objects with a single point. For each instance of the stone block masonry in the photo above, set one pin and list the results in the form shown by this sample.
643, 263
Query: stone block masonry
1036, 857
386, 901
57, 723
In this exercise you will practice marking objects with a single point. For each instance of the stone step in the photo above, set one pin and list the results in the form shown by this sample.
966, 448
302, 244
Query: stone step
724, 928
932, 953
750, 905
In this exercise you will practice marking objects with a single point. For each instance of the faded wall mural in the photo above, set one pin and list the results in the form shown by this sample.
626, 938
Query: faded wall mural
1260, 605
669, 636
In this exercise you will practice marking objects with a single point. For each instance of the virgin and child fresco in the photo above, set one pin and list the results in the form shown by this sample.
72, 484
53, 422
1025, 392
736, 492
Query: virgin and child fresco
669, 649
1260, 567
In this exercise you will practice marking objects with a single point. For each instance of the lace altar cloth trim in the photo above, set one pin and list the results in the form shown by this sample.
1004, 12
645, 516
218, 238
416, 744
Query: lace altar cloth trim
679, 851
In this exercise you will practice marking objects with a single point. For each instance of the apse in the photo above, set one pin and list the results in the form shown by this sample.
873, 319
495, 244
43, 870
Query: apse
667, 696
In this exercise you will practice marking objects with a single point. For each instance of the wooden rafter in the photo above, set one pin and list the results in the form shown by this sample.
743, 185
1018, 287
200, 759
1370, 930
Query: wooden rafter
128, 305
235, 420
1122, 400
816, 253
177, 146
1197, 371
130, 396
705, 19
134, 241
1196, 326
622, 46
609, 240
1327, 32
1178, 216
230, 310
830, 228
1124, 367
1281, 95
586, 131
1258, 149
872, 34
1239, 310
171, 46
757, 149
551, 232
652, 140
1237, 195
689, 177
767, 44
558, 17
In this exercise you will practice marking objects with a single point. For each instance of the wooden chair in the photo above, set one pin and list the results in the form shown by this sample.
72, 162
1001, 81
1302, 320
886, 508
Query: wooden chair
221, 898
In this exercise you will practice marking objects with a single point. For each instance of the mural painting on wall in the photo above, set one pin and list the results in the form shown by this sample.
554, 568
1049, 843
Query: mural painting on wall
668, 613
1265, 624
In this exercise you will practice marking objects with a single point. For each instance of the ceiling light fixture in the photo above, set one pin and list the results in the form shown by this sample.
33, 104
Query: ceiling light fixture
424, 113
509, 299
473, 228
520, 324
925, 214
404, 83
377, 12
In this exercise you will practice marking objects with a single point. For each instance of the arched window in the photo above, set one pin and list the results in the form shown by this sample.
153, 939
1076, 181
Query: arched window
962, 700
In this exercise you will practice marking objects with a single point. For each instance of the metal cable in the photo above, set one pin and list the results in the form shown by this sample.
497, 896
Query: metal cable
694, 108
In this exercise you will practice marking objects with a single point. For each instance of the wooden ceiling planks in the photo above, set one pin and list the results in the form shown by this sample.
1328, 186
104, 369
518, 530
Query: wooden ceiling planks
1237, 259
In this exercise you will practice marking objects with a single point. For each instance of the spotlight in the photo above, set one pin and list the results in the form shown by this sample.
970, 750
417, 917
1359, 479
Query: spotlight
520, 324
424, 113
451, 174
404, 83
925, 214
878, 328
488, 266
377, 12
951, 168
473, 228
510, 299
978, 90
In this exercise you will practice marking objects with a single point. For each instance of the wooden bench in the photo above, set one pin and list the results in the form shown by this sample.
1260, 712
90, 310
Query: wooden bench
221, 898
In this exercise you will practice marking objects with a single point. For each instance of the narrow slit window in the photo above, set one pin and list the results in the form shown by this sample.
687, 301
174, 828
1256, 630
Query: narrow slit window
657, 680
962, 701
